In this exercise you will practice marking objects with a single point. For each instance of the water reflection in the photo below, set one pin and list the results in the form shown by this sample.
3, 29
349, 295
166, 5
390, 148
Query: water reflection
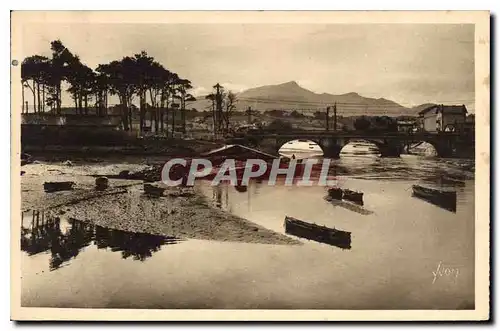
220, 196
65, 239
349, 206
220, 193
364, 162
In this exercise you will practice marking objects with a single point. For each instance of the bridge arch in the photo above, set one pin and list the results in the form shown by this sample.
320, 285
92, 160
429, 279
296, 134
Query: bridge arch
372, 147
301, 147
441, 148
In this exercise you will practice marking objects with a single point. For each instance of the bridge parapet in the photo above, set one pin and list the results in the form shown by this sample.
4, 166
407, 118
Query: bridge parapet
390, 144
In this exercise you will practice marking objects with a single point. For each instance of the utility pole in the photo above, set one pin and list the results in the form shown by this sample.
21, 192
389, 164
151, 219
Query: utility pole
335, 117
218, 103
328, 118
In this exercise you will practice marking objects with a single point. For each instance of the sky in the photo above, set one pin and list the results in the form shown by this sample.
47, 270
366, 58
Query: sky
408, 63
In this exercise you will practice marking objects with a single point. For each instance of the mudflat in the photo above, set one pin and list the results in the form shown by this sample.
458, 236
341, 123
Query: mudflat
179, 212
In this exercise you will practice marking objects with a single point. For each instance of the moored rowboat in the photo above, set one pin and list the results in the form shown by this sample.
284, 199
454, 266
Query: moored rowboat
442, 198
58, 186
317, 233
335, 193
346, 194
353, 196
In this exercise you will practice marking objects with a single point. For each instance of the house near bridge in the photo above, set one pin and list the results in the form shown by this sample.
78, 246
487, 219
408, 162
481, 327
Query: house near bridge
407, 126
441, 118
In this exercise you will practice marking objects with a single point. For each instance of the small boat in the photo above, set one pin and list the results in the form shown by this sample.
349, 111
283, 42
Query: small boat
335, 193
319, 233
50, 187
101, 183
438, 197
356, 197
451, 181
154, 191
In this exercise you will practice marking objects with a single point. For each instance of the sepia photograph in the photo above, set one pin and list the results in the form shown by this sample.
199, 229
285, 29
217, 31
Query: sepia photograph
250, 165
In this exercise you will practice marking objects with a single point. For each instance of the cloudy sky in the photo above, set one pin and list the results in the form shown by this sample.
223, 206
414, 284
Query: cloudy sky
408, 63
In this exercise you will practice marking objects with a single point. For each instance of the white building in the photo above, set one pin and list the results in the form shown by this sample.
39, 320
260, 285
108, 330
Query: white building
440, 118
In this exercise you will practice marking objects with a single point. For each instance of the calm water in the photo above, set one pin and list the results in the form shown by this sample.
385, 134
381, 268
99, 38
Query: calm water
397, 243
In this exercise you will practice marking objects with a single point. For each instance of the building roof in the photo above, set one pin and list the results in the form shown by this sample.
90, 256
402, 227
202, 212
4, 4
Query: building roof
448, 109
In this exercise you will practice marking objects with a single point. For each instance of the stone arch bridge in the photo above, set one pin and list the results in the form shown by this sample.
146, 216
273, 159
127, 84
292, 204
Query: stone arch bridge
393, 144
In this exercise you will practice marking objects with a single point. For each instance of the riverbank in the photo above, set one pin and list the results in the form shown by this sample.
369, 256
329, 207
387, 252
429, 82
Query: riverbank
138, 148
182, 212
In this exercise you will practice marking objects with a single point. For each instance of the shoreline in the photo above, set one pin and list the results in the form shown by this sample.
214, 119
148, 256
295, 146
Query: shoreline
181, 212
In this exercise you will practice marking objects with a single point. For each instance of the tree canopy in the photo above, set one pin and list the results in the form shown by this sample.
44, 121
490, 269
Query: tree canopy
138, 75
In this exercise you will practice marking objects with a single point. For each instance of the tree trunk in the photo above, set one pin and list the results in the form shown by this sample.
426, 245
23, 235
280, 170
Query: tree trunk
34, 96
80, 101
141, 112
131, 124
183, 114
39, 109
43, 97
124, 111
157, 118
86, 104
167, 111
154, 111
129, 112
162, 109
22, 105
98, 103
173, 118
214, 119
106, 102
58, 97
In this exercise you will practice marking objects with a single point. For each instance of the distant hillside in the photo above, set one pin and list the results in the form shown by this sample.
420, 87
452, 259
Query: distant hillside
419, 108
291, 96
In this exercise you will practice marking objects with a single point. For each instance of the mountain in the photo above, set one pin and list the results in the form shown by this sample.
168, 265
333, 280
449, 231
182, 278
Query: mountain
291, 96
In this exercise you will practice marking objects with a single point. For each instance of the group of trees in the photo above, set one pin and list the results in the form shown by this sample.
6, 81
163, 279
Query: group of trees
223, 104
376, 123
278, 125
43, 76
158, 89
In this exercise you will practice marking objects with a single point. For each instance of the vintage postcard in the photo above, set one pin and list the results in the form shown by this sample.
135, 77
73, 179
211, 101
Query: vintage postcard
278, 166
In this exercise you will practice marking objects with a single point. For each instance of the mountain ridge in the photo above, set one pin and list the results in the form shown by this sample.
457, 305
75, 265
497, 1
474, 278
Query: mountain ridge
291, 96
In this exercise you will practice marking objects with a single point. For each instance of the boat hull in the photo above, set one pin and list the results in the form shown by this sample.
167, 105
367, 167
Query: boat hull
322, 234
356, 197
340, 194
443, 199
50, 187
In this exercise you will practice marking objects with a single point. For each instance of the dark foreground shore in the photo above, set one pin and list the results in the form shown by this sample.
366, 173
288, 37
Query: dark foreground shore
180, 212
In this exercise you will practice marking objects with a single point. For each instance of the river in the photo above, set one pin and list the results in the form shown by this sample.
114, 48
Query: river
405, 253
